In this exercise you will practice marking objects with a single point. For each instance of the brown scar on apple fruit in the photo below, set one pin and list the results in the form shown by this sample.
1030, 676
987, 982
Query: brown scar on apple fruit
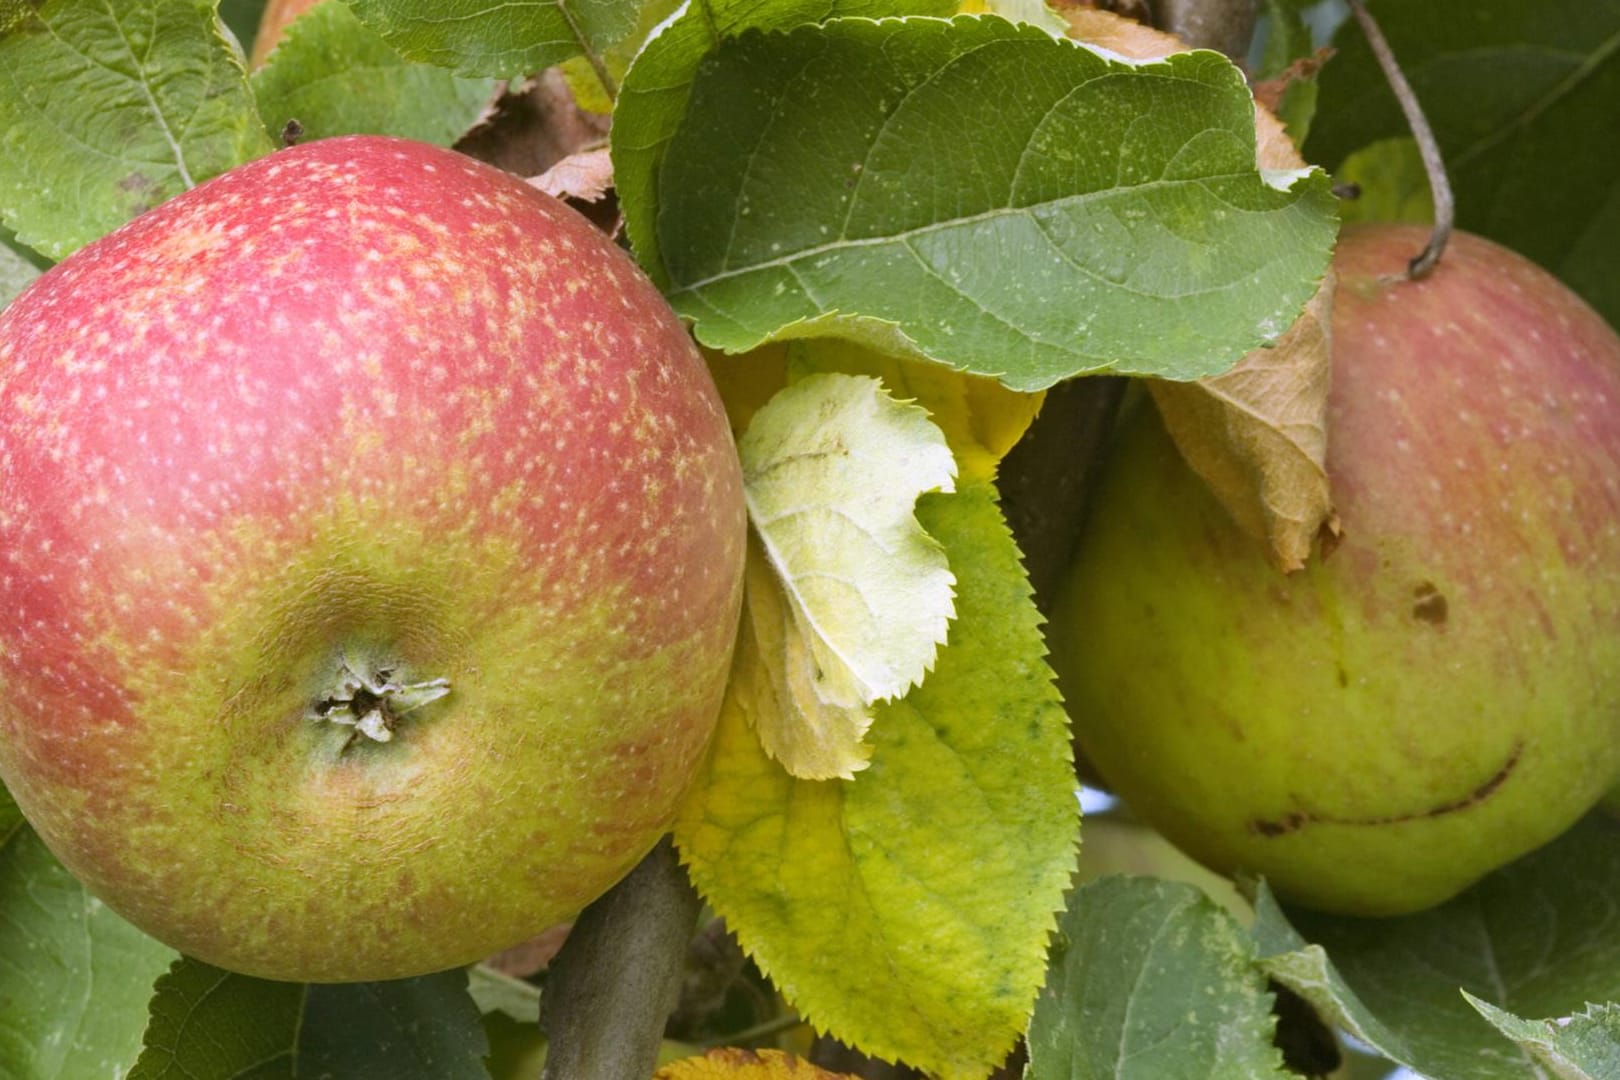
1295, 820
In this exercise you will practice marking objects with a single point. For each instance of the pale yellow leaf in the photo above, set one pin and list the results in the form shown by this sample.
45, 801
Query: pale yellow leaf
832, 468
982, 419
1258, 434
1034, 12
808, 715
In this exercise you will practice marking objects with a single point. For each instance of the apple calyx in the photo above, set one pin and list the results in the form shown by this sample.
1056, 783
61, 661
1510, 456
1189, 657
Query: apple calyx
373, 704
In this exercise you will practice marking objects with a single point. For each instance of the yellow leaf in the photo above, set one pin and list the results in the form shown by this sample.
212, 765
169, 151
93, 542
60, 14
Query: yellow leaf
907, 911
982, 419
748, 380
729, 1063
809, 717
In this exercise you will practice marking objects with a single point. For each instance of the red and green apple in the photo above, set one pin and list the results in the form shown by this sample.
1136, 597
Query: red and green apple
370, 559
1438, 692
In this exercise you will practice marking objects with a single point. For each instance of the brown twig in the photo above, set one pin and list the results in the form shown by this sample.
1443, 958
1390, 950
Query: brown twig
614, 983
1224, 25
1445, 208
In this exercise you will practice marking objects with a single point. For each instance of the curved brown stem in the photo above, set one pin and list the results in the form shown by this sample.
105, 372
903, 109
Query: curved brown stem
1445, 207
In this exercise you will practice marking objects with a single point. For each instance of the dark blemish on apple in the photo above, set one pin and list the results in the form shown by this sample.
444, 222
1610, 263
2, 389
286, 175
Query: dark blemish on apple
1429, 604
1485, 790
1292, 821
1295, 820
1344, 677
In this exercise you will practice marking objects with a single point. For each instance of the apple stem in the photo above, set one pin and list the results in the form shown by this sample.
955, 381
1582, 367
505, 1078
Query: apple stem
1445, 209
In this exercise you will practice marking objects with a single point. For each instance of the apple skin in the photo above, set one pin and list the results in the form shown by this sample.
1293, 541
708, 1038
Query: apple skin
362, 401
1435, 694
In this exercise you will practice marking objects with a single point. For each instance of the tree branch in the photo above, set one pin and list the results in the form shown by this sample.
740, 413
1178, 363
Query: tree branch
1224, 25
618, 976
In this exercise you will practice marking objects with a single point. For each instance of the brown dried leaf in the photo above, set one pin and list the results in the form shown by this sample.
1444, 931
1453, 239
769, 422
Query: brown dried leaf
729, 1063
533, 126
585, 176
1257, 434
1268, 93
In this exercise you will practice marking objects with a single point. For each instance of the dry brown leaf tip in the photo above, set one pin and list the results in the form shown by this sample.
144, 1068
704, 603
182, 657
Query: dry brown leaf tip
585, 176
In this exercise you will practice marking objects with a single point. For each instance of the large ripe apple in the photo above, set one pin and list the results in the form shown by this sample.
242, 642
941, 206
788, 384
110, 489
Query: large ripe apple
1438, 692
370, 560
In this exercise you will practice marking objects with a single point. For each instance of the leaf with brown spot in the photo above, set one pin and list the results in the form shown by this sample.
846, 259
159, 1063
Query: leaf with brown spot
730, 1063
147, 100
1268, 93
1257, 435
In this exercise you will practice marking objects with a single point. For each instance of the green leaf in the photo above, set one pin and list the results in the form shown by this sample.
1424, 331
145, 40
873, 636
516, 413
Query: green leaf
1521, 97
493, 991
656, 89
907, 911
11, 819
107, 109
511, 1018
1585, 1048
850, 602
336, 77
206, 1022
241, 18
1539, 937
857, 179
481, 37
75, 977
15, 274
1393, 183
1151, 980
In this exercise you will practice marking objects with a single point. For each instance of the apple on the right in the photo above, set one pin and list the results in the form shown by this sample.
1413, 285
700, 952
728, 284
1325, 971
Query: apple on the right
1438, 691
